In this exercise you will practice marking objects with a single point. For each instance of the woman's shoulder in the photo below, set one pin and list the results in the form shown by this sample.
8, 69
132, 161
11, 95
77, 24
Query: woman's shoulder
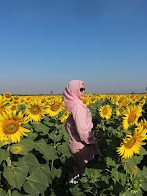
79, 107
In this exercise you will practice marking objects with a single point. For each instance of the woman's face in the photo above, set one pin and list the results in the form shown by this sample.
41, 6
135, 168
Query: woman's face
81, 91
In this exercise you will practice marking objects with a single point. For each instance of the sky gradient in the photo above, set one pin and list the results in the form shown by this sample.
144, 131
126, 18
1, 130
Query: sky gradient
46, 43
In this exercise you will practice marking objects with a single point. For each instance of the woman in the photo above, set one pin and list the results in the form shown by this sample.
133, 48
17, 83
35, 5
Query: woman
82, 143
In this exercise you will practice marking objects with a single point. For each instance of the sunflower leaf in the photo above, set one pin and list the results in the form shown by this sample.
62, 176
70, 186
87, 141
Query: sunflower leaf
45, 170
3, 193
23, 147
56, 173
4, 154
143, 151
16, 193
35, 184
63, 149
31, 162
56, 137
48, 151
110, 162
40, 127
16, 175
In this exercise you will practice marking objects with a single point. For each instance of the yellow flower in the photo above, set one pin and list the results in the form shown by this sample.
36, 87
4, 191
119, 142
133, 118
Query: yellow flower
120, 110
64, 116
55, 107
132, 143
3, 103
35, 110
10, 127
7, 95
131, 116
105, 111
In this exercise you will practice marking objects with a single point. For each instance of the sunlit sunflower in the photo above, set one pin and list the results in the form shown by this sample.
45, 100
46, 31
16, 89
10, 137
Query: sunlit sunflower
115, 99
86, 100
3, 103
10, 127
64, 116
7, 95
55, 107
93, 99
141, 102
131, 144
144, 123
35, 110
131, 116
120, 110
105, 111
12, 108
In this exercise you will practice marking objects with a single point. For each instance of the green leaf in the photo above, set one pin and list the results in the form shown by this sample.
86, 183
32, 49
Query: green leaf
76, 191
144, 178
31, 162
64, 149
143, 151
40, 127
118, 177
32, 136
3, 193
48, 151
16, 193
56, 137
110, 162
56, 173
16, 175
4, 154
45, 170
93, 174
35, 184
25, 146
27, 126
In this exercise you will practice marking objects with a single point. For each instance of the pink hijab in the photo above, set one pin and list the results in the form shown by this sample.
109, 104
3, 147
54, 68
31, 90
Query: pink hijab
70, 94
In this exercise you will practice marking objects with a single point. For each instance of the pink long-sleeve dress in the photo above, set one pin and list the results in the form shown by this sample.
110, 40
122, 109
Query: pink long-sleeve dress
82, 143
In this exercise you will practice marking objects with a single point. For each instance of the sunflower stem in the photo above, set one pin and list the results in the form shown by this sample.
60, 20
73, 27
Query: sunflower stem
9, 164
8, 159
9, 192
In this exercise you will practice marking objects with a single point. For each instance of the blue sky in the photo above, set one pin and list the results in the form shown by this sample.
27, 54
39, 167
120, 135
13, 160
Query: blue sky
46, 43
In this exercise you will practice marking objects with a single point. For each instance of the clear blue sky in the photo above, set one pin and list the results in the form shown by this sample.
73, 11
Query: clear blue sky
46, 43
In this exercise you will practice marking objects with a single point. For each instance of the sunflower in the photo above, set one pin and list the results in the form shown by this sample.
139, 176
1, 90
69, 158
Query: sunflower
120, 110
64, 116
3, 104
35, 110
10, 127
132, 143
7, 96
55, 107
105, 111
131, 116
12, 108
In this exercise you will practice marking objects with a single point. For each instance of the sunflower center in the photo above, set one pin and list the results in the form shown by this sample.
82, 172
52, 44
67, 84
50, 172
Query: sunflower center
130, 143
10, 127
13, 108
35, 109
104, 111
132, 118
55, 107
7, 95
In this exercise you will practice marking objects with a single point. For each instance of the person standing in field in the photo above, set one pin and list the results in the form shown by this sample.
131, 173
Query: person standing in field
82, 143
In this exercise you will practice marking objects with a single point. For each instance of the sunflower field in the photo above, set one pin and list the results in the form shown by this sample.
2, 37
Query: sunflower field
34, 155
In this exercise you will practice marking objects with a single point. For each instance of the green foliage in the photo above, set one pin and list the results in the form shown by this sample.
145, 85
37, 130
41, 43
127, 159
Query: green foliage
41, 164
